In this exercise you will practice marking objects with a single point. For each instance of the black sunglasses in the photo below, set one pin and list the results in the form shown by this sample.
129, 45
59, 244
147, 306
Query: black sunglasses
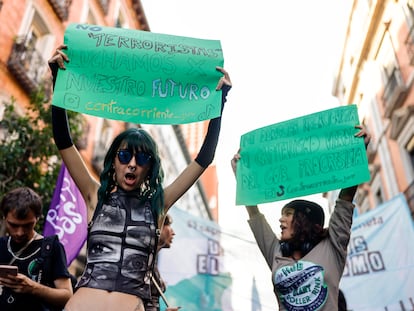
125, 156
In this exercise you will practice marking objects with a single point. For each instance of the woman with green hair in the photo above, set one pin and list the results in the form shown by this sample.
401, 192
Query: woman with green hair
126, 208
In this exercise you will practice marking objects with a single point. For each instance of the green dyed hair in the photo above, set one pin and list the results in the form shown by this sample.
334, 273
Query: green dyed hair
135, 139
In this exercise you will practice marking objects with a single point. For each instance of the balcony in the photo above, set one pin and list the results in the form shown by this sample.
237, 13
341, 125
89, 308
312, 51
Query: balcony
104, 4
394, 92
400, 120
61, 8
27, 65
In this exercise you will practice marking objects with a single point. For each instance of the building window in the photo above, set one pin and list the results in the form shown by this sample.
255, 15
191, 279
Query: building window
61, 8
104, 4
31, 49
394, 86
376, 188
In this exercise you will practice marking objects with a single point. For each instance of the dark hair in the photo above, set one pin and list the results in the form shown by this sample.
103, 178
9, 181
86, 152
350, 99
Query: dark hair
135, 139
341, 301
168, 220
313, 211
21, 201
305, 231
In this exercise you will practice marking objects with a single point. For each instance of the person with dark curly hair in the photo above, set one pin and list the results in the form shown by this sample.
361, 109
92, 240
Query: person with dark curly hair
308, 260
126, 208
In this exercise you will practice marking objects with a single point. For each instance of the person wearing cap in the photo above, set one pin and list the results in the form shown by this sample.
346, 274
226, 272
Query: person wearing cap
308, 260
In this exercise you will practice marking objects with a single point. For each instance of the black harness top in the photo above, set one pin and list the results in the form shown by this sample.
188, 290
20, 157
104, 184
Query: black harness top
121, 246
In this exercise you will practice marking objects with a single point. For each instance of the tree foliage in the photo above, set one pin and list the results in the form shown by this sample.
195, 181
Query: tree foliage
28, 154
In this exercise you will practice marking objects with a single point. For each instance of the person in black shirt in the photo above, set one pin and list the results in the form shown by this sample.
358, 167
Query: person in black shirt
43, 282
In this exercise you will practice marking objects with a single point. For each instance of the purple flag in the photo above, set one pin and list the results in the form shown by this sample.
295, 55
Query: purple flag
67, 216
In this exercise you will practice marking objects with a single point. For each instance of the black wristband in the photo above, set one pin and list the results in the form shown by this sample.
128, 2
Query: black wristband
60, 125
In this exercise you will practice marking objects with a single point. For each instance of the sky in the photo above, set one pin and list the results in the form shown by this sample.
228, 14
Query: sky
281, 56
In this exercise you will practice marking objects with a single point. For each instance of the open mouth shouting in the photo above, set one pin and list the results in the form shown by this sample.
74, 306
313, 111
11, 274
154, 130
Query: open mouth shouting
130, 179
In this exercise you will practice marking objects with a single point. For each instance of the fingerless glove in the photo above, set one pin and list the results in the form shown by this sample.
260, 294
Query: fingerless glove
60, 125
60, 122
54, 69
208, 149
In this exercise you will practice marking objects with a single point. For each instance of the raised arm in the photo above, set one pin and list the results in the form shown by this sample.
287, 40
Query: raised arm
206, 154
252, 210
348, 194
77, 168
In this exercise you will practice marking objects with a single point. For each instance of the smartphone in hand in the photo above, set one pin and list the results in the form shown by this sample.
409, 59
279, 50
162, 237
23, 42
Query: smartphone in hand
6, 270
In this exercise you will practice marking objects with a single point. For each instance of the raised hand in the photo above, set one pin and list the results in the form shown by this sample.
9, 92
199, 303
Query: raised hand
363, 133
59, 57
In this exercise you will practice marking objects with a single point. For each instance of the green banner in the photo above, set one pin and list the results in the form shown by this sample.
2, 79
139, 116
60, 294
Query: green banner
139, 76
311, 154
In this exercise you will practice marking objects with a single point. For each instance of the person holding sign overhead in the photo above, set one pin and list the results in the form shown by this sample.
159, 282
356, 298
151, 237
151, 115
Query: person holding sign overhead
126, 209
308, 260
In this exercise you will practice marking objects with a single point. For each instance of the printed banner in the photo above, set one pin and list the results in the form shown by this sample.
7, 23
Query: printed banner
196, 276
139, 76
379, 273
302, 156
67, 215
200, 267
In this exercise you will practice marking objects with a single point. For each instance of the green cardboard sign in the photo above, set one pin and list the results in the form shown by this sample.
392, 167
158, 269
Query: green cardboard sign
138, 76
311, 154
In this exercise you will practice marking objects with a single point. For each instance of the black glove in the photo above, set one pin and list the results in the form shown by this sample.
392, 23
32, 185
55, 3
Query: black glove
60, 122
54, 69
60, 125
208, 149
224, 91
